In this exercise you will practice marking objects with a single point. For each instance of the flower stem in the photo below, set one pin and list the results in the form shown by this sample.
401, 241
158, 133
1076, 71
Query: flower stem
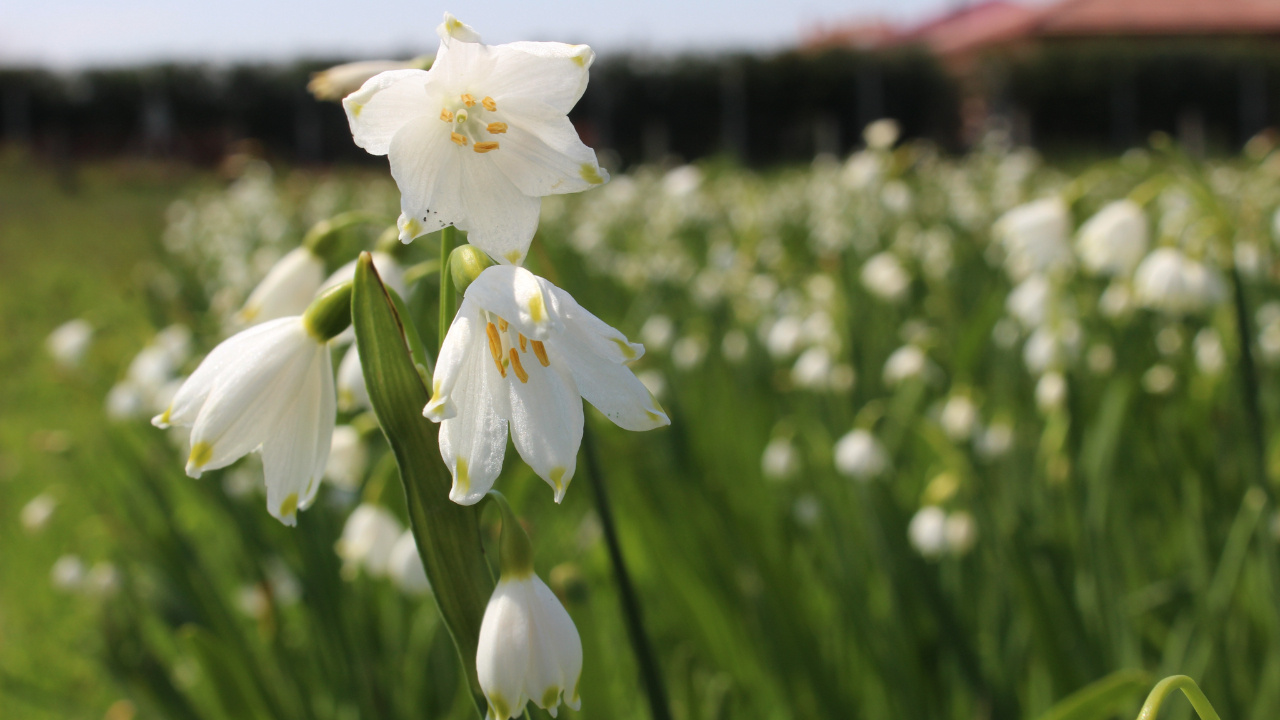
1188, 687
446, 246
640, 644
1249, 383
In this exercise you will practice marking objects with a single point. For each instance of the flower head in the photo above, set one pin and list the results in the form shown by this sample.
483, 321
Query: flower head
267, 387
478, 139
1114, 241
523, 353
287, 288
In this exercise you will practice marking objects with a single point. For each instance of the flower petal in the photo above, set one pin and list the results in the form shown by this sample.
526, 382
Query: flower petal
293, 457
519, 297
546, 422
186, 404
474, 442
503, 650
612, 388
426, 168
561, 641
385, 104
450, 365
546, 156
591, 332
498, 217
554, 73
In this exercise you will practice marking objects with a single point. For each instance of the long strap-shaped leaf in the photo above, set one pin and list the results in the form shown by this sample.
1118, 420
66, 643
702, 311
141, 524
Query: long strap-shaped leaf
448, 534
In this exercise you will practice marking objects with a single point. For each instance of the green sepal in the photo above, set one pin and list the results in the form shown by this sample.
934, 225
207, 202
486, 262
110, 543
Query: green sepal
448, 535
515, 552
466, 262
320, 238
330, 314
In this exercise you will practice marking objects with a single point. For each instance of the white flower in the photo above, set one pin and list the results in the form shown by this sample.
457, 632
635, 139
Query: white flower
404, 566
1029, 301
523, 353
341, 80
478, 139
1051, 391
1115, 240
529, 649
961, 532
1170, 281
885, 277
268, 387
927, 531
1052, 346
779, 461
69, 342
353, 394
657, 332
906, 363
1034, 237
1211, 358
959, 417
36, 513
995, 441
287, 289
860, 455
367, 540
812, 370
1159, 379
688, 351
734, 346
881, 134
67, 573
348, 458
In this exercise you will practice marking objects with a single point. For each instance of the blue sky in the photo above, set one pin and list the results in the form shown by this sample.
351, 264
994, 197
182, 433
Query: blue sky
78, 33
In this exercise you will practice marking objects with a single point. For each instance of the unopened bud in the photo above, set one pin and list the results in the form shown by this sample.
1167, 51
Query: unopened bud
466, 262
329, 314
321, 236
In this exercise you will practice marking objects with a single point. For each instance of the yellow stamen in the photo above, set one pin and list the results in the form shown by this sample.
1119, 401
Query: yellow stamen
495, 348
489, 104
522, 342
468, 100
496, 128
541, 351
484, 147
502, 325
458, 139
517, 367
445, 115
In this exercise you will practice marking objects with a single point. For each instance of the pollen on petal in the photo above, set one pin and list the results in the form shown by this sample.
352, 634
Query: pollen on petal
468, 99
289, 507
460, 140
496, 128
591, 174
484, 147
445, 115
489, 104
201, 454
517, 367
541, 351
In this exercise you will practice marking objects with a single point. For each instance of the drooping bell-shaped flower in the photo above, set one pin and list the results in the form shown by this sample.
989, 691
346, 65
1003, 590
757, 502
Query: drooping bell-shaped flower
269, 387
287, 289
339, 81
523, 353
1114, 241
368, 536
477, 140
1034, 236
529, 648
1170, 281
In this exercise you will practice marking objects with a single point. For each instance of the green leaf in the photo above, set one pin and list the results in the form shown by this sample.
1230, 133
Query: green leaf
448, 534
1101, 698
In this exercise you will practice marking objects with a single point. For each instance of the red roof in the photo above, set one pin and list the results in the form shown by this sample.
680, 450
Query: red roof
974, 27
1159, 17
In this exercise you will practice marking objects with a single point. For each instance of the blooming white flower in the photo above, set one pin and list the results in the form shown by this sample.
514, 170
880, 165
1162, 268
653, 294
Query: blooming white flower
1159, 379
348, 458
522, 352
657, 332
353, 394
404, 566
69, 342
995, 440
268, 387
959, 417
1034, 237
1029, 301
1115, 240
927, 531
67, 573
1170, 281
36, 513
780, 460
287, 288
885, 277
367, 539
860, 455
1051, 391
477, 140
906, 363
881, 134
529, 649
1211, 358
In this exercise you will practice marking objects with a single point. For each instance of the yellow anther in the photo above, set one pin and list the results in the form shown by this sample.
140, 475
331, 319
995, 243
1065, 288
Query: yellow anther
484, 147
489, 104
523, 340
517, 367
468, 100
445, 115
502, 325
496, 128
541, 351
458, 139
495, 348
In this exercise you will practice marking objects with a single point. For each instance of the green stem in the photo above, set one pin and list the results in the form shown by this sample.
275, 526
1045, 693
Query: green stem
1188, 687
640, 644
1249, 383
446, 246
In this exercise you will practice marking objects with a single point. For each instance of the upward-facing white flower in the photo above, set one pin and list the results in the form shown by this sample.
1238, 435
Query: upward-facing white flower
478, 139
522, 352
268, 387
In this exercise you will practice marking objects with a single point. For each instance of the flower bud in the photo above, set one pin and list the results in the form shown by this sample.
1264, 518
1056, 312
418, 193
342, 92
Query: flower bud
466, 262
329, 314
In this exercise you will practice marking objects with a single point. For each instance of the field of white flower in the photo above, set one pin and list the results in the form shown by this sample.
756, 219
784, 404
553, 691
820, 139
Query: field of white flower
966, 437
